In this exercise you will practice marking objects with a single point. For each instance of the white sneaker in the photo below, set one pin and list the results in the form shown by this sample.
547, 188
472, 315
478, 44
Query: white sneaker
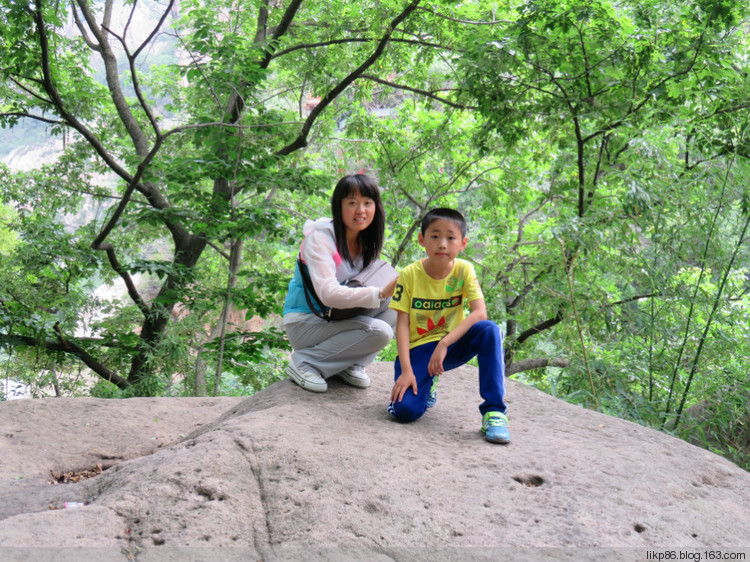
307, 379
355, 376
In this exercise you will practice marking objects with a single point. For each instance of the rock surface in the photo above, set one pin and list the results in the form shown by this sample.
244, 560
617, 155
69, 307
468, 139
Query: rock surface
288, 474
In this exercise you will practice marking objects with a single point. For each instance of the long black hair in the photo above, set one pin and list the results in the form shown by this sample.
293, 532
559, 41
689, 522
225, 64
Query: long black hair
371, 238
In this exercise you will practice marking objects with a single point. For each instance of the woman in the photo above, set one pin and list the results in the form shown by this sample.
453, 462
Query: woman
333, 251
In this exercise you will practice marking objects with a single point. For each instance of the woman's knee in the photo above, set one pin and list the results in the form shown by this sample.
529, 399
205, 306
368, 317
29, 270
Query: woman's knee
388, 316
380, 333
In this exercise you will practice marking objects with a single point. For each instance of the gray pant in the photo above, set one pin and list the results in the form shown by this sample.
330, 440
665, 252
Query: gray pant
330, 347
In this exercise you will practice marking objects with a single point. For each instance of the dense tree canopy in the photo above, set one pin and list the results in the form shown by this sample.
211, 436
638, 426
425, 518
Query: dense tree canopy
598, 147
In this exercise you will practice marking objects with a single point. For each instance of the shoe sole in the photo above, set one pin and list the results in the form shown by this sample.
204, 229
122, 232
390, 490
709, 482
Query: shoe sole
307, 385
353, 381
499, 441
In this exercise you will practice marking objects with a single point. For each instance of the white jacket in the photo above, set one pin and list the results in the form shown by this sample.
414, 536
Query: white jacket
328, 271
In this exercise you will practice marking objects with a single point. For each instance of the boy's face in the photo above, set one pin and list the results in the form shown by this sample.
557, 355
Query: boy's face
442, 240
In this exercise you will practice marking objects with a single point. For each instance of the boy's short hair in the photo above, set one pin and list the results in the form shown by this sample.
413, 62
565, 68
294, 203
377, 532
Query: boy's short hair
444, 213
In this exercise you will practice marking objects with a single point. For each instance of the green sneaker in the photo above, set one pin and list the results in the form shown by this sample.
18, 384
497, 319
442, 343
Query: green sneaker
432, 396
495, 427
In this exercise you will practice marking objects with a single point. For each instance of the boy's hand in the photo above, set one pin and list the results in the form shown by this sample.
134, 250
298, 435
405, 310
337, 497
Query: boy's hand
402, 384
435, 366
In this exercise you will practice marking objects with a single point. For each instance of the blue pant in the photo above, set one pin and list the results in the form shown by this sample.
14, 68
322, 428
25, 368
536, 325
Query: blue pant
483, 341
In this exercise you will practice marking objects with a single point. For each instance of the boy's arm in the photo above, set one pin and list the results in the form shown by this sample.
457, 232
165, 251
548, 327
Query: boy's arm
406, 379
478, 312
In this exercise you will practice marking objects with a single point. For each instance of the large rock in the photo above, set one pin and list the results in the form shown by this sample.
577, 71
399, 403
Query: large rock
288, 474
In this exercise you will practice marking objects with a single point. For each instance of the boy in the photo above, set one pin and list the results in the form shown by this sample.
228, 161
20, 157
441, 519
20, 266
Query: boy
432, 334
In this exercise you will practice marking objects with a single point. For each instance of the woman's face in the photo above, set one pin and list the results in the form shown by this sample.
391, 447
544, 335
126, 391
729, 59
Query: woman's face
357, 212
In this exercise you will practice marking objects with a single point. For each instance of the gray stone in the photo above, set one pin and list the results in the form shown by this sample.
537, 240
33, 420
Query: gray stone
290, 475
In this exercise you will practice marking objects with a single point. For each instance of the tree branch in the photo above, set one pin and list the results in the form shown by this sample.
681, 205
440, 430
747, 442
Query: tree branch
424, 93
536, 363
82, 29
53, 344
97, 243
59, 104
125, 276
305, 46
31, 116
332, 94
137, 136
527, 288
542, 326
658, 84
136, 82
32, 93
156, 29
104, 372
281, 29
434, 12
632, 299
261, 28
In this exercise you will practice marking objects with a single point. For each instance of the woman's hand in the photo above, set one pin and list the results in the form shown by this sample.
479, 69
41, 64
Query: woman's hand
387, 291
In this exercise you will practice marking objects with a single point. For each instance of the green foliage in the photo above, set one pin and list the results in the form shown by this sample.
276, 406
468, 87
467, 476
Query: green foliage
8, 237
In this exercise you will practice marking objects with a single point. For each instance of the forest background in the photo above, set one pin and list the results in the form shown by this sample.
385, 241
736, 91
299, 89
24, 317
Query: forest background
599, 149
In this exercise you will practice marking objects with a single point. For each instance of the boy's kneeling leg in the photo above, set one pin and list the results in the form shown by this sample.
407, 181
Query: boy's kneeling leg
409, 409
412, 406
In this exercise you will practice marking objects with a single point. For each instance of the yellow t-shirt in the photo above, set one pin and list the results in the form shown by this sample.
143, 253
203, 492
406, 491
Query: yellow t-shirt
435, 306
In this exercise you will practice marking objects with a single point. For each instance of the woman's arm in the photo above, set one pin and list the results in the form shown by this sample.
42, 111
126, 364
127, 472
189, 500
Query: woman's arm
317, 252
